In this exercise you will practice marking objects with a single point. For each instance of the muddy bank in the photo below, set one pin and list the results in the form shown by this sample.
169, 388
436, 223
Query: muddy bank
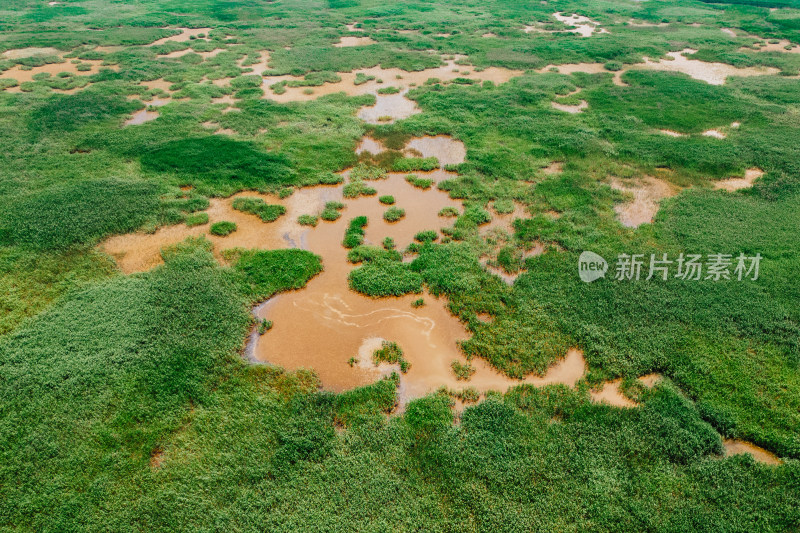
735, 184
736, 447
647, 195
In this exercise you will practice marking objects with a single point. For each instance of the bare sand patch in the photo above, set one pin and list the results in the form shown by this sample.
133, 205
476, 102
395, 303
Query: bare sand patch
354, 41
712, 73
647, 195
556, 167
16, 72
716, 134
489, 35
729, 32
32, 51
650, 380
735, 184
672, 133
352, 27
736, 447
185, 35
783, 46
612, 395
584, 26
146, 115
573, 109
394, 106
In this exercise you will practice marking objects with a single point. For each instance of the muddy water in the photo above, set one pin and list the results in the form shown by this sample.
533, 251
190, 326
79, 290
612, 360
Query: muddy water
736, 447
16, 73
185, 35
780, 46
647, 194
713, 73
612, 395
448, 150
390, 77
325, 325
370, 145
734, 184
145, 115
388, 108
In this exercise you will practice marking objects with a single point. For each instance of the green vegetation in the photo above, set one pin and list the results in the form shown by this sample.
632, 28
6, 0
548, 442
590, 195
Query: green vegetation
197, 219
462, 371
391, 353
393, 214
354, 235
410, 164
386, 200
419, 183
308, 220
222, 228
126, 402
264, 326
257, 206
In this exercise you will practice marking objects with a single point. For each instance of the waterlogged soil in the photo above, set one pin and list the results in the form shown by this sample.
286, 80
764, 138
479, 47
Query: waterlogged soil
583, 26
612, 395
448, 150
16, 72
390, 105
328, 327
647, 195
736, 447
712, 73
735, 184
185, 35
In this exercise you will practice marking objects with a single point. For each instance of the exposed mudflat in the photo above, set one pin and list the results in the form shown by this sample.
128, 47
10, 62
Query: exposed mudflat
735, 184
713, 73
354, 41
185, 35
583, 26
612, 395
647, 194
736, 447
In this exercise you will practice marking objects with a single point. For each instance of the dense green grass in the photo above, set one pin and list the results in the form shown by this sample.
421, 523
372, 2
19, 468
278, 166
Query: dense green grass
124, 402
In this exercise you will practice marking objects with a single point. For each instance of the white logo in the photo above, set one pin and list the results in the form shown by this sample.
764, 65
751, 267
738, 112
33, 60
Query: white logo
591, 267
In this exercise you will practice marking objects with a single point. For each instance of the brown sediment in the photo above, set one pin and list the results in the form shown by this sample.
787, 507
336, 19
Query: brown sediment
181, 53
405, 107
489, 35
556, 167
647, 194
352, 27
185, 35
156, 458
586, 68
572, 109
672, 133
159, 84
712, 73
354, 41
16, 73
736, 447
584, 26
370, 145
780, 46
612, 395
448, 150
145, 115
650, 380
258, 67
735, 184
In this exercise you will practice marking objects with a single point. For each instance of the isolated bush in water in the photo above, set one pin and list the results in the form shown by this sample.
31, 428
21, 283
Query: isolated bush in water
77, 213
257, 206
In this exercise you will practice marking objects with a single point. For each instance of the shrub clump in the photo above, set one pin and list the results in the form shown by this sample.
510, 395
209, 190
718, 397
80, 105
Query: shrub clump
462, 371
426, 236
411, 164
355, 189
354, 235
332, 211
448, 212
222, 228
419, 183
257, 206
308, 220
384, 277
197, 219
391, 353
393, 214
386, 200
